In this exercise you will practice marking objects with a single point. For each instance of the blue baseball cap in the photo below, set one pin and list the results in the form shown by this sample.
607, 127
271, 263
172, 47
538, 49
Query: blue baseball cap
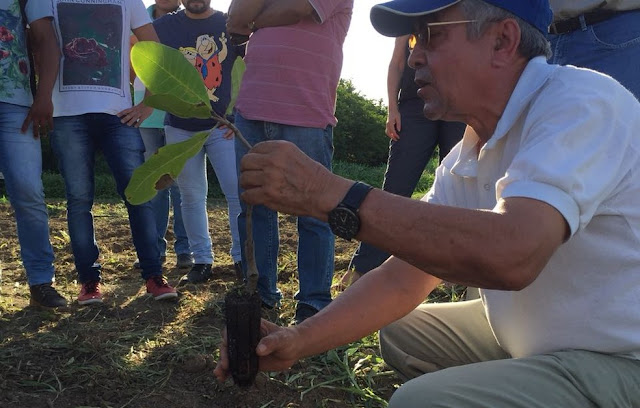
398, 17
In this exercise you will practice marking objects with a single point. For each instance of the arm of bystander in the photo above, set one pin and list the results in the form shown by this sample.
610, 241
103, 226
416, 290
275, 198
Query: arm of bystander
47, 60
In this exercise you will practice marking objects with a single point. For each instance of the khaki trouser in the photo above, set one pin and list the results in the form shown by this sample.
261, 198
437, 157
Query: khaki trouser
451, 359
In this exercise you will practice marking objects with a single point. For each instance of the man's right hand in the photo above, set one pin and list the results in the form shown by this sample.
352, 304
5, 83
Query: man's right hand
40, 116
279, 175
394, 124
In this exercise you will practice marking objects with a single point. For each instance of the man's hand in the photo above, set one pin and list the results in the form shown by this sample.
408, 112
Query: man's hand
41, 116
394, 124
228, 132
279, 175
135, 115
278, 349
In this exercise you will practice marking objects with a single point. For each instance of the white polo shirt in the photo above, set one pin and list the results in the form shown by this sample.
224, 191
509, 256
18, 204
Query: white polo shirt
569, 137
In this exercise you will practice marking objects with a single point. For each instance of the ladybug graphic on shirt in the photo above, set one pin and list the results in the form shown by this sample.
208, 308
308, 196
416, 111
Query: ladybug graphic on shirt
208, 61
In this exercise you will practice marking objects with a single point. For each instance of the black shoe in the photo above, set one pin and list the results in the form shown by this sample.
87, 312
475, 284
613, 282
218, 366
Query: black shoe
237, 267
303, 312
199, 273
136, 264
46, 296
184, 261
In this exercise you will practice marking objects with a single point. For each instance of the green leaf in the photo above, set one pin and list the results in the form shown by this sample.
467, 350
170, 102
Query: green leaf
164, 70
236, 78
168, 160
178, 107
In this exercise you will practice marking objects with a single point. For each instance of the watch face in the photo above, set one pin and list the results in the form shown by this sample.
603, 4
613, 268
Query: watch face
344, 222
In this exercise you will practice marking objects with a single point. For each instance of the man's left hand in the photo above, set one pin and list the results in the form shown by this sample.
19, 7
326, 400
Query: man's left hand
277, 350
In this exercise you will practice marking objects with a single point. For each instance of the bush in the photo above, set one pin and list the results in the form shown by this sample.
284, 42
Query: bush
360, 135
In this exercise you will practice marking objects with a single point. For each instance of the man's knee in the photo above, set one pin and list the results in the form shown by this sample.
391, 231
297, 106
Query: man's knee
421, 392
390, 350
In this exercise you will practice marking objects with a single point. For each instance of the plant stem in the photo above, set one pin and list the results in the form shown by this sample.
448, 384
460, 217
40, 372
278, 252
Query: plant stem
252, 269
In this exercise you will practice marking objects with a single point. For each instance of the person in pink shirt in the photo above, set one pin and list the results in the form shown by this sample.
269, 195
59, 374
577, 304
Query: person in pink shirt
294, 59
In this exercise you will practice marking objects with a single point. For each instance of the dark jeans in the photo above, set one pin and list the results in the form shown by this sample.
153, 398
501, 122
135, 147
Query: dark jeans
75, 141
315, 239
408, 157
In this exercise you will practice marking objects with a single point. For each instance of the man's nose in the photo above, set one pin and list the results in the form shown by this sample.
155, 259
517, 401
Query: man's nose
417, 58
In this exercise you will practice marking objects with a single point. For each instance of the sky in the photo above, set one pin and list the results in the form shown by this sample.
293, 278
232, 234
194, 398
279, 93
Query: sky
366, 53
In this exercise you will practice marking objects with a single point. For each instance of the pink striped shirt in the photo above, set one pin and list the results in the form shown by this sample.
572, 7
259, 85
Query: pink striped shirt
293, 71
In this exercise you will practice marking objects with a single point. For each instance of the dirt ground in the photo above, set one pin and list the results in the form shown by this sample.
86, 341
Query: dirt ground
135, 352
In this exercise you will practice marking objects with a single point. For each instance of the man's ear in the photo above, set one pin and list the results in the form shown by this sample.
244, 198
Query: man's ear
506, 41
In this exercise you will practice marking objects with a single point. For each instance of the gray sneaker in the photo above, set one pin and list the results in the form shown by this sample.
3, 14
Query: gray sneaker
184, 261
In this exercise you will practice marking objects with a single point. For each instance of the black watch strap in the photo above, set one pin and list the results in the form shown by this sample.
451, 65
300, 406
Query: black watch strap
356, 194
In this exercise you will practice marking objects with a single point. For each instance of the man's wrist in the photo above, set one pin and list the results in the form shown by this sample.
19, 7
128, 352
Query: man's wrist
333, 191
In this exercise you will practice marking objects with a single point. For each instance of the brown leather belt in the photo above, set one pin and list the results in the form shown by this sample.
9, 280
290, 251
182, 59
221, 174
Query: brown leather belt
590, 18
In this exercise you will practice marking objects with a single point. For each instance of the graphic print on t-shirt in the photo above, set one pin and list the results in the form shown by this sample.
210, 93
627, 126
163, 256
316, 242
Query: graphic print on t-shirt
13, 57
91, 46
207, 58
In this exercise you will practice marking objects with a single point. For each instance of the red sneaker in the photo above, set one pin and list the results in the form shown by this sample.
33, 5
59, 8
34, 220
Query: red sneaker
160, 289
90, 293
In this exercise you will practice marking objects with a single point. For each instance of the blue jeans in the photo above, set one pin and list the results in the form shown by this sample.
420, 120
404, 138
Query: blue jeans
193, 185
315, 239
154, 139
21, 164
611, 46
75, 141
408, 157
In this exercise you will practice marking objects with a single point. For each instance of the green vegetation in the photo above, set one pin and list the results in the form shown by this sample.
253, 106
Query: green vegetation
359, 136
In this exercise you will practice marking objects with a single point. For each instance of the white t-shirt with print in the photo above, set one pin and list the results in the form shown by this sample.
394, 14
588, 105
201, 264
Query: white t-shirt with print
94, 69
571, 138
14, 64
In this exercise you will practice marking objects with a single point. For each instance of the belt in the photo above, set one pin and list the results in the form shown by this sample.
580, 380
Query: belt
590, 18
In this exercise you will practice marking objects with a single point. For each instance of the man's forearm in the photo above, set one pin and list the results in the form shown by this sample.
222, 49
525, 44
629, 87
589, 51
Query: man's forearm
46, 56
379, 298
504, 249
242, 13
267, 13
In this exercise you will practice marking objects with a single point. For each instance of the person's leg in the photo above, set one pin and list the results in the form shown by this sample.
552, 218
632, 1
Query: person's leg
72, 142
439, 335
408, 157
611, 46
123, 150
222, 155
567, 379
265, 221
21, 165
181, 243
315, 239
192, 182
153, 139
449, 134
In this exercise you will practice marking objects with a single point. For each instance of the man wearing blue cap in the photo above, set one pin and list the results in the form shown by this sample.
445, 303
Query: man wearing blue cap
539, 206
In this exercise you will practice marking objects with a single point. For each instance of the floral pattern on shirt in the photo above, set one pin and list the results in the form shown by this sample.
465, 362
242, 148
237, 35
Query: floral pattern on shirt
14, 67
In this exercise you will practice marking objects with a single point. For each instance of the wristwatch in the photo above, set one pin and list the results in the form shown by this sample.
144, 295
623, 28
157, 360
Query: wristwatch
344, 220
